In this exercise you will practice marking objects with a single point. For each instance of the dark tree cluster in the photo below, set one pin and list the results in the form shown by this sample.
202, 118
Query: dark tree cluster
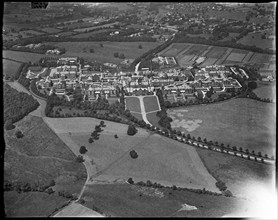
17, 104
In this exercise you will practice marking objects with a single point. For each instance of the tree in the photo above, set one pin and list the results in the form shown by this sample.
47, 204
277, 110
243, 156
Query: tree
228, 193
221, 185
122, 56
92, 50
133, 154
83, 150
79, 159
91, 140
101, 45
130, 180
252, 85
19, 134
247, 151
115, 136
101, 124
259, 154
140, 46
266, 156
116, 54
131, 130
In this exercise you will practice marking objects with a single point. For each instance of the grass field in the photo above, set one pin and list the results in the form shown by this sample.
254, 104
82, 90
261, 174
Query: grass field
77, 210
130, 200
10, 67
216, 52
85, 35
22, 56
234, 15
242, 177
133, 104
93, 28
153, 119
105, 53
40, 156
236, 57
174, 50
160, 159
157, 161
260, 58
31, 204
266, 90
239, 122
51, 30
151, 103
255, 39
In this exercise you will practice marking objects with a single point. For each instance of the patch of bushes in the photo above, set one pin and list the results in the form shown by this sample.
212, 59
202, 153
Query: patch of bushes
19, 134
79, 159
221, 185
133, 154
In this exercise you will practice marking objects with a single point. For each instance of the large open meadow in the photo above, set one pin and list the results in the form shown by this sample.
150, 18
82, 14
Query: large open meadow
105, 53
159, 159
243, 123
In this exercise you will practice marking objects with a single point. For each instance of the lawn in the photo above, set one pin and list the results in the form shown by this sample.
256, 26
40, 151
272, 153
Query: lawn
153, 119
31, 204
133, 104
151, 104
243, 123
105, 53
22, 56
10, 67
124, 200
26, 159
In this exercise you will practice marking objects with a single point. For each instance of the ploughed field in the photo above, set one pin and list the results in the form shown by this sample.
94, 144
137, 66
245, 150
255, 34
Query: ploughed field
241, 122
186, 54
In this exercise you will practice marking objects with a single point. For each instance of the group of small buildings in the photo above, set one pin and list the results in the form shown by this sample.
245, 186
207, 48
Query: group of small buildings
69, 75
